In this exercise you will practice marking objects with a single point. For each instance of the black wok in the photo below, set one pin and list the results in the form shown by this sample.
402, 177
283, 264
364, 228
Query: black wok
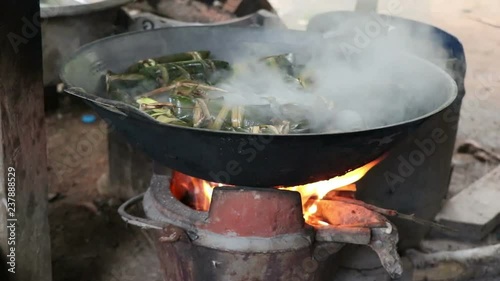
237, 158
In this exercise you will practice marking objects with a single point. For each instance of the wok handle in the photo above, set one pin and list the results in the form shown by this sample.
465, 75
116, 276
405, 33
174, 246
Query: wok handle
80, 93
137, 221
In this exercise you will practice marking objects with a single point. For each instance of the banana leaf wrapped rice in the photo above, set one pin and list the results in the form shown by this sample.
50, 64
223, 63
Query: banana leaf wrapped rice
181, 89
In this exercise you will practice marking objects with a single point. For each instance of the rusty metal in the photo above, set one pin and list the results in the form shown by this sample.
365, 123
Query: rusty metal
133, 220
171, 234
384, 241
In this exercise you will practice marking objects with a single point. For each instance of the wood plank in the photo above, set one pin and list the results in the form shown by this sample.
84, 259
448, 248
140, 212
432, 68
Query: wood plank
23, 142
475, 211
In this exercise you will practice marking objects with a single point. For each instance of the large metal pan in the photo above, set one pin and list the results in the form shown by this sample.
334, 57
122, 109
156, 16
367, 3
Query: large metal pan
238, 158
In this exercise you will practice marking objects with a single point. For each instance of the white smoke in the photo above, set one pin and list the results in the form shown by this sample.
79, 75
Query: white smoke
362, 67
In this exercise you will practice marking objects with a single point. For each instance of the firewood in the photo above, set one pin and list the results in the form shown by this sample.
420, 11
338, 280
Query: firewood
349, 215
389, 213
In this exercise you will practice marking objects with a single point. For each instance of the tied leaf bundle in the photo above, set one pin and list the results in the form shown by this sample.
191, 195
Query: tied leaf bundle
181, 89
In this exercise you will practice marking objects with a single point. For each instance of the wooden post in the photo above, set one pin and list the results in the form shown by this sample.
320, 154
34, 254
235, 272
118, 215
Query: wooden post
23, 163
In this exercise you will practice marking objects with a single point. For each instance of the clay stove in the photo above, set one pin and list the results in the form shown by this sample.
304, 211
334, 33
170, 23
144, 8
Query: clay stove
207, 231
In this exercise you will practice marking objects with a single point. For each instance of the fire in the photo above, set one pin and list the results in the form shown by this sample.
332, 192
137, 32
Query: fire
197, 193
313, 193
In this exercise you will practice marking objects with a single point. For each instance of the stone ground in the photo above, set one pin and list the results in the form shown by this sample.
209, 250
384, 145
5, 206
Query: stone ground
89, 241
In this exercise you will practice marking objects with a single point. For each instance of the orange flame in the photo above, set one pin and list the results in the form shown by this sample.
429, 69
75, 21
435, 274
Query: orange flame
313, 193
197, 193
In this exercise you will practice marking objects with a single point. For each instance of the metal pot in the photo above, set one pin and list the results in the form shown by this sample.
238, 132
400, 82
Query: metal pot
69, 24
148, 21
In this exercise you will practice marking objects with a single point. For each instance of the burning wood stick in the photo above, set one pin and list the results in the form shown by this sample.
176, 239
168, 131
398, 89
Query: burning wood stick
383, 235
462, 265
389, 213
345, 214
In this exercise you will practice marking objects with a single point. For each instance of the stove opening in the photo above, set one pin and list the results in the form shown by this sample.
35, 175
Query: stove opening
193, 192
197, 193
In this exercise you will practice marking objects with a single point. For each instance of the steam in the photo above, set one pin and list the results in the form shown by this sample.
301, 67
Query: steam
363, 67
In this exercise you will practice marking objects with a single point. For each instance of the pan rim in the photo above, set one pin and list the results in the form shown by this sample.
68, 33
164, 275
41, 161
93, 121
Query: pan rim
52, 11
